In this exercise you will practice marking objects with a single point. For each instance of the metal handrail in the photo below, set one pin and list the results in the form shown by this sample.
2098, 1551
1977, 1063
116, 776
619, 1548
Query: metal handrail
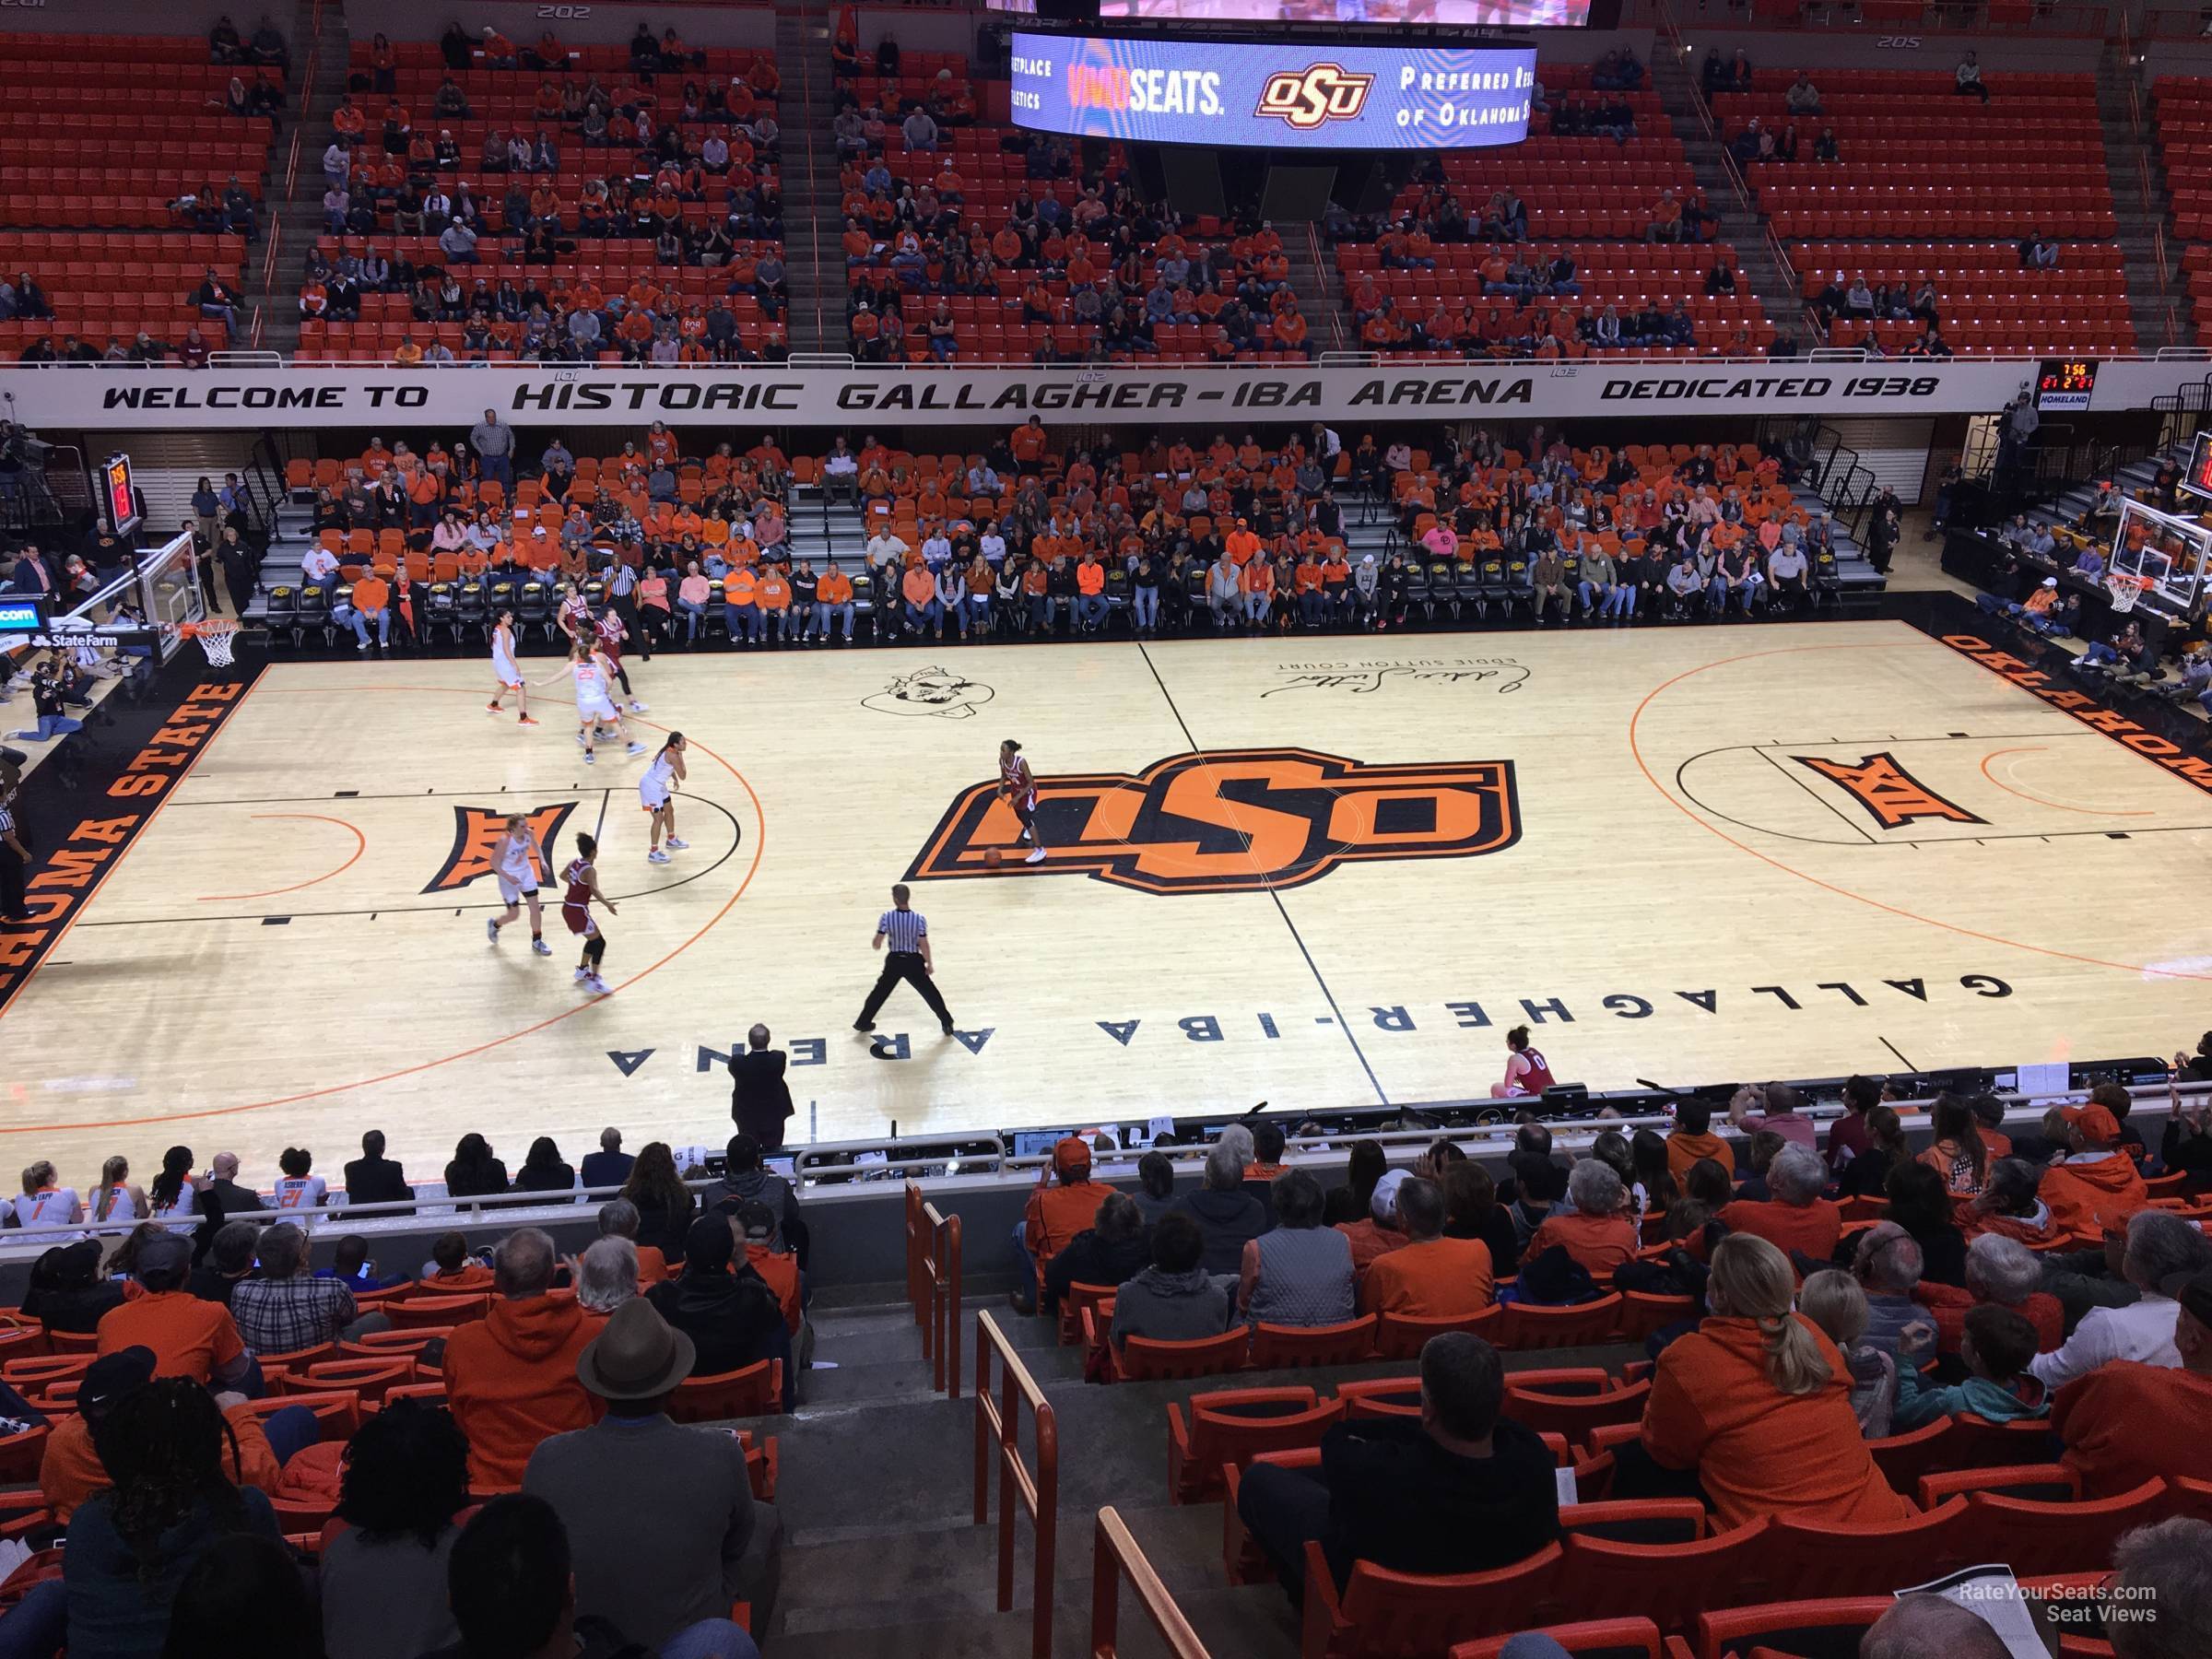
999, 1421
1329, 302
933, 1288
1117, 1554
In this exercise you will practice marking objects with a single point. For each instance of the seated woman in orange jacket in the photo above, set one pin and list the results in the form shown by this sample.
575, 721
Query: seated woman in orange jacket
1756, 1401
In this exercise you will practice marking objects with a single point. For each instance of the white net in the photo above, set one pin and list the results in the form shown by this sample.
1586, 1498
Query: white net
219, 639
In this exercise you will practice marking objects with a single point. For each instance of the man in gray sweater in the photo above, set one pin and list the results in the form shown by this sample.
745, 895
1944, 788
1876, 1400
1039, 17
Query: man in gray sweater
494, 445
660, 1515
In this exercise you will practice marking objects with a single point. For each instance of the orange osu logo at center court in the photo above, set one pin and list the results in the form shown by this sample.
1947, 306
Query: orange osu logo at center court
1231, 822
1307, 98
477, 831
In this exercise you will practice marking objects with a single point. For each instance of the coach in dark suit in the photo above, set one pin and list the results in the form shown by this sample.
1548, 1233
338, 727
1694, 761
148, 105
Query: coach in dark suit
374, 1178
759, 1099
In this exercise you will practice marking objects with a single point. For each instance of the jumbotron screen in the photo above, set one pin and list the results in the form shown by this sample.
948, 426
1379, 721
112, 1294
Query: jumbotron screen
1486, 14
1273, 96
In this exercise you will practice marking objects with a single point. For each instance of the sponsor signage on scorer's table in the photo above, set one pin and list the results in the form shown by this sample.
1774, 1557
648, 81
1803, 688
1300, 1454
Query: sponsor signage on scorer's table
91, 397
1273, 95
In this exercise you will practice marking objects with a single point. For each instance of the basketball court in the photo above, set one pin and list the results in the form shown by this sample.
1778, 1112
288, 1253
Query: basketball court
1316, 872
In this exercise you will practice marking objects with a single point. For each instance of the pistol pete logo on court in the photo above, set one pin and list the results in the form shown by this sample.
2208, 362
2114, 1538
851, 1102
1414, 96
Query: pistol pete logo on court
478, 829
1309, 98
1231, 821
1892, 795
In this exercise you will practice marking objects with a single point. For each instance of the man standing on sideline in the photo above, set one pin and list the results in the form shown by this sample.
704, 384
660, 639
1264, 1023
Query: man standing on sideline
494, 445
759, 1099
907, 934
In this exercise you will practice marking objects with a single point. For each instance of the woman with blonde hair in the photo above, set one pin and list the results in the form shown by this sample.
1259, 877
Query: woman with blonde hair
118, 1197
1756, 1401
1832, 1300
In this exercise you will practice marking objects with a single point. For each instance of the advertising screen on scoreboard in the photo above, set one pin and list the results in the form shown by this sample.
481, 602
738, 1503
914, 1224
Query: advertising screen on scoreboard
1275, 96
1484, 14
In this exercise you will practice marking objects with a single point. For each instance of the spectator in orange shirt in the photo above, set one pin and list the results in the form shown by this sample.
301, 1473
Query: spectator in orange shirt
774, 600
918, 588
2119, 1421
1428, 1276
1065, 1203
189, 1337
1379, 1231
619, 1218
740, 609
1090, 592
1755, 1404
70, 1470
455, 1271
2099, 1178
510, 1376
1026, 442
1596, 1230
371, 601
1798, 1220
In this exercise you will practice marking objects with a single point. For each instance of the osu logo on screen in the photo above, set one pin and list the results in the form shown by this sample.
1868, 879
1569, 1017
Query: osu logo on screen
1231, 821
477, 832
1307, 98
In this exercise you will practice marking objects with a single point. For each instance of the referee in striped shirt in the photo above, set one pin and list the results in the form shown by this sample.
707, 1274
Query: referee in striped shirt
907, 934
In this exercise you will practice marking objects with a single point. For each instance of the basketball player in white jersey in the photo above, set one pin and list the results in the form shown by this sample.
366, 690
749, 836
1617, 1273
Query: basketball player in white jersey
516, 859
589, 669
1017, 788
505, 670
656, 794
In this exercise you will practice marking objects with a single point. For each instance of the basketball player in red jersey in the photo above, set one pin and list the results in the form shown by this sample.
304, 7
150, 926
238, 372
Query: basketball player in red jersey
609, 632
582, 875
1527, 1073
1017, 788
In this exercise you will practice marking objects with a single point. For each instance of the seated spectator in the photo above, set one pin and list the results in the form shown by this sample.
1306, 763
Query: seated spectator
67, 1290
2161, 1253
606, 1276
1886, 1148
1156, 1178
660, 1514
510, 1376
1832, 1300
543, 1170
1472, 1211
1774, 1107
2003, 1273
131, 1546
1058, 1209
230, 1260
454, 1271
1378, 1230
1112, 1249
473, 1170
1462, 1489
1887, 1263
70, 1471
748, 1179
1797, 1219
2008, 1208
663, 1203
730, 1315
619, 1219
1913, 1626
382, 1575
1957, 1152
1996, 1345
2160, 1566
1174, 1300
1428, 1276
1299, 1272
287, 1308
2120, 1420
351, 1268
374, 1178
189, 1337
1756, 1401
1692, 1139
1924, 1206
2096, 1178
1594, 1229
1227, 1215
610, 1166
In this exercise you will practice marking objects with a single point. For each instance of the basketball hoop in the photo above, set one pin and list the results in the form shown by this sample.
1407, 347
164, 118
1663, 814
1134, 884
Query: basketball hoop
218, 637
2125, 589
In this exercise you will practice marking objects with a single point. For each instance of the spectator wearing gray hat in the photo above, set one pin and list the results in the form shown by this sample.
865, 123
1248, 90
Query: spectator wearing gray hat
189, 1337
660, 1515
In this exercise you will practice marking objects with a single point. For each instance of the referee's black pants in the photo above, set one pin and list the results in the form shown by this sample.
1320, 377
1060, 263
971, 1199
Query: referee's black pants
904, 965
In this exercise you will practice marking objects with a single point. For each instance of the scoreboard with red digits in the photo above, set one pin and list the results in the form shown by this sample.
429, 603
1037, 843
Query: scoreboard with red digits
119, 502
2197, 478
2064, 383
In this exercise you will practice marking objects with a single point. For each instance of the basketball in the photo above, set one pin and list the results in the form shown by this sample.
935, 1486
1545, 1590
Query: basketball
991, 858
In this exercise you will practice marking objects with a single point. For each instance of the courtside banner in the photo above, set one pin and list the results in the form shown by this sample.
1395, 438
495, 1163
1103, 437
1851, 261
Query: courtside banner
1273, 95
91, 397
